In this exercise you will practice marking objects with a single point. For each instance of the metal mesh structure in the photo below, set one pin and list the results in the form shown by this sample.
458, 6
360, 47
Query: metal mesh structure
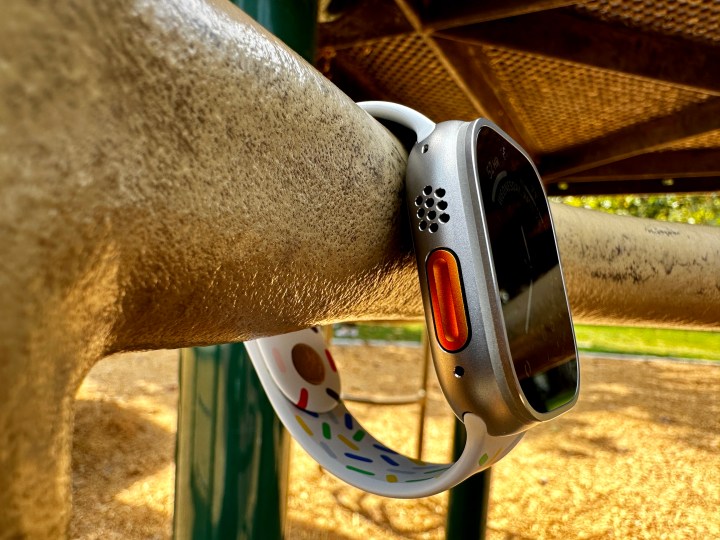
706, 140
407, 69
691, 19
562, 104
632, 76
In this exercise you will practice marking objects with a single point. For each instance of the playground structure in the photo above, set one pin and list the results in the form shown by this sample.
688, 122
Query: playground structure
173, 176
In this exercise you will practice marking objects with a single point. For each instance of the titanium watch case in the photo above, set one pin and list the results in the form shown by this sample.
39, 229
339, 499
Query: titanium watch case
480, 376
472, 352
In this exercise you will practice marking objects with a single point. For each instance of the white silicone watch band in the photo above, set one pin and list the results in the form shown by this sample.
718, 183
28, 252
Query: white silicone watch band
337, 441
405, 116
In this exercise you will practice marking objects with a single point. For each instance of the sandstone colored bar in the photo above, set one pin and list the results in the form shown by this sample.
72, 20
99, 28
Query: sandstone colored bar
631, 271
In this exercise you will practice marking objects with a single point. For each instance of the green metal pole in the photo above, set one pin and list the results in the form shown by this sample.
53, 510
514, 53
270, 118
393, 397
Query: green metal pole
293, 21
232, 451
468, 502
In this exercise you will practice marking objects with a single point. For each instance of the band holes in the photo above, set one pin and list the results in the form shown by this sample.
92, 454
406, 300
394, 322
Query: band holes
459, 371
308, 363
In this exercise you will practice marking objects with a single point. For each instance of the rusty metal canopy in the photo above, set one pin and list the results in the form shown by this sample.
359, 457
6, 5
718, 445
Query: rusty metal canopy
608, 96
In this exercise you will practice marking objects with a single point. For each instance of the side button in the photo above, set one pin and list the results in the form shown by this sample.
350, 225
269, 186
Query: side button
448, 300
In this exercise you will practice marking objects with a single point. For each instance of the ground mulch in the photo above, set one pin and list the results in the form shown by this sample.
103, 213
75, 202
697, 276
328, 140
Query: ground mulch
639, 457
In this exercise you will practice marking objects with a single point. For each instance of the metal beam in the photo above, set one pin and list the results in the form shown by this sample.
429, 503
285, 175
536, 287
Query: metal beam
668, 164
470, 65
645, 186
441, 14
633, 140
566, 35
413, 18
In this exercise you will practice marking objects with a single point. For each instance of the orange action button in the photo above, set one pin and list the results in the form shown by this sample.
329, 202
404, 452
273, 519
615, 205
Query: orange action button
448, 301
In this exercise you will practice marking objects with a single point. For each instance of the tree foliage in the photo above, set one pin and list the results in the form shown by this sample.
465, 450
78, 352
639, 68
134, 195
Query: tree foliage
695, 209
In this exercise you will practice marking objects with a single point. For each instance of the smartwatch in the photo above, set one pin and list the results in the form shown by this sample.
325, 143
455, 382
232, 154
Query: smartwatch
498, 319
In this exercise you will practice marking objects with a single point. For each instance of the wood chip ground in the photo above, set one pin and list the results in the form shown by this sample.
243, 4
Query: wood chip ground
639, 457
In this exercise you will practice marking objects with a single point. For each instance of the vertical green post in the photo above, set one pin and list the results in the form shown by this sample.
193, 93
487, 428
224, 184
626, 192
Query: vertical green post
293, 21
232, 451
468, 502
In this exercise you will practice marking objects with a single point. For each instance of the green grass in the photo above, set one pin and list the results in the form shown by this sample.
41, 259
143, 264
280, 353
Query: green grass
649, 341
380, 332
611, 339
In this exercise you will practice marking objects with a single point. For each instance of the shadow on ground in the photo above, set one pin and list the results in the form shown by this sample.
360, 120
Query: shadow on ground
107, 436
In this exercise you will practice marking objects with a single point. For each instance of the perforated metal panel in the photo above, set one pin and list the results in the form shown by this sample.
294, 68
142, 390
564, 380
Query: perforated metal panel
558, 103
561, 104
408, 70
549, 104
706, 140
692, 19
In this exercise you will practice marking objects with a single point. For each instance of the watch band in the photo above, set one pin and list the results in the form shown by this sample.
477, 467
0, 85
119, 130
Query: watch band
297, 369
405, 116
303, 385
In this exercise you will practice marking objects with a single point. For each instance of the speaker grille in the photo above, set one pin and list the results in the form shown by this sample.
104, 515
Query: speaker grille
431, 210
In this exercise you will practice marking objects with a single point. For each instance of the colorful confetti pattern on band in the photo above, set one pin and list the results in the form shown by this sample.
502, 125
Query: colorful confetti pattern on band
336, 433
343, 439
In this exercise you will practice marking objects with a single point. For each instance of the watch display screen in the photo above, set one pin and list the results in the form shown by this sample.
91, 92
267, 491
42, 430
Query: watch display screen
529, 281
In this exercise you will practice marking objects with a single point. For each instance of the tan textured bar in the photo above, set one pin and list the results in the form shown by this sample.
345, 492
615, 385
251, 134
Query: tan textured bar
630, 271
170, 176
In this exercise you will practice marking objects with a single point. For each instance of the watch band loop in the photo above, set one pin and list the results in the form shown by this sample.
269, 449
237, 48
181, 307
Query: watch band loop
338, 441
418, 122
